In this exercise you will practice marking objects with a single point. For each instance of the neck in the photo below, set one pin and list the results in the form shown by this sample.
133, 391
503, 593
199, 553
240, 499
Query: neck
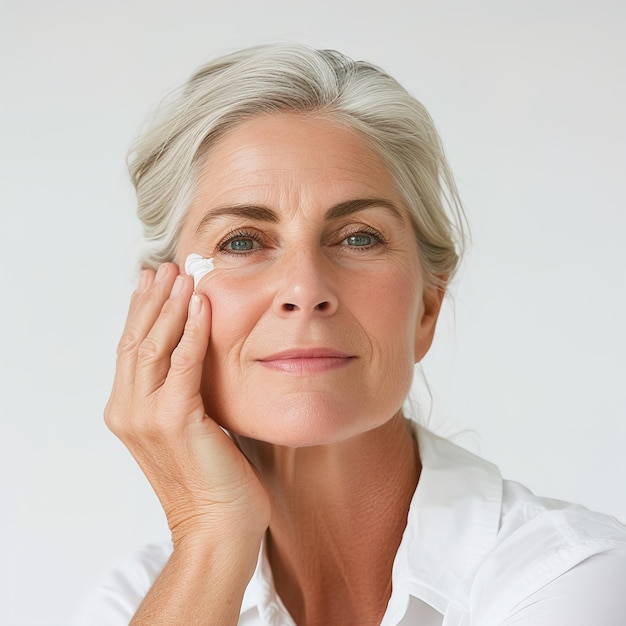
338, 515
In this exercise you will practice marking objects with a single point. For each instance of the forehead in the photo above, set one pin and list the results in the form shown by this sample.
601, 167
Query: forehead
289, 160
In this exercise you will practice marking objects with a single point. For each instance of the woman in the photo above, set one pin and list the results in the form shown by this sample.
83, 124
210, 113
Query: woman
305, 194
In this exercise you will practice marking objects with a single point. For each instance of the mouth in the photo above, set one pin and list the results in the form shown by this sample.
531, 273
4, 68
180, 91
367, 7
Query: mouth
307, 361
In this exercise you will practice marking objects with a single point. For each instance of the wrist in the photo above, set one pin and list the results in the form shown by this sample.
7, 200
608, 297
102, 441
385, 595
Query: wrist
234, 555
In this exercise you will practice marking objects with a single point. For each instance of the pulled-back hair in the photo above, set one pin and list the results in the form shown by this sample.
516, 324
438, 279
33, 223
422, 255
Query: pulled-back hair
165, 160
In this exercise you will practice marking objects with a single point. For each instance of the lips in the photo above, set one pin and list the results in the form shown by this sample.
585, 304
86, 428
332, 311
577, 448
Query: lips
307, 361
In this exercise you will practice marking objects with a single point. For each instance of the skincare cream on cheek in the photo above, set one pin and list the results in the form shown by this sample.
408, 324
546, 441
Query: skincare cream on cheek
198, 267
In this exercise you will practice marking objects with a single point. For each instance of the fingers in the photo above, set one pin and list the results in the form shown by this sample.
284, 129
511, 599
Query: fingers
155, 350
154, 326
145, 306
186, 362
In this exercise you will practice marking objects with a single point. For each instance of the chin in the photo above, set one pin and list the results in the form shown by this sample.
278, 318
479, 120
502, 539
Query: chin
304, 425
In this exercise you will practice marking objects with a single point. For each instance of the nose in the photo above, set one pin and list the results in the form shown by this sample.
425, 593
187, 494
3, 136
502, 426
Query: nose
305, 288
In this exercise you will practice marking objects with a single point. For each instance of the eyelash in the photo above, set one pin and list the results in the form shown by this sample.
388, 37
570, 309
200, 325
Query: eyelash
234, 236
222, 246
364, 230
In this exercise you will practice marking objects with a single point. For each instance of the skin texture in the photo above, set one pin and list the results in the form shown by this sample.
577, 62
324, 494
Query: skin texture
301, 343
268, 299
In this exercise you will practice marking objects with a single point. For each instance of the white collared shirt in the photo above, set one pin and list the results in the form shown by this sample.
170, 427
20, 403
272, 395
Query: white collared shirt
477, 551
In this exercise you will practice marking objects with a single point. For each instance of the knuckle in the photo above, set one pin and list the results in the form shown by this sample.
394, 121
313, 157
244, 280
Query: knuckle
169, 310
114, 419
154, 296
182, 358
128, 343
149, 350
131, 425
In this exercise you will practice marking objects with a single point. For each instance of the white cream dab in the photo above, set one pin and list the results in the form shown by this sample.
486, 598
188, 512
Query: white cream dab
198, 267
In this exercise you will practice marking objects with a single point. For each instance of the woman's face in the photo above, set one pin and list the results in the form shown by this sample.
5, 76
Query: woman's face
319, 309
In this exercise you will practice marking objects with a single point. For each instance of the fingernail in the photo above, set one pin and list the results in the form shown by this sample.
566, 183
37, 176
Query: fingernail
161, 273
195, 306
177, 287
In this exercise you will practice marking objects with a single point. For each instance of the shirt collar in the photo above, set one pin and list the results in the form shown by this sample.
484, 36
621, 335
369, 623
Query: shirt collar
453, 519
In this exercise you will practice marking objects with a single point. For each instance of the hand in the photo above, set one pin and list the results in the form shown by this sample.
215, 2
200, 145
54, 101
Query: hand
205, 484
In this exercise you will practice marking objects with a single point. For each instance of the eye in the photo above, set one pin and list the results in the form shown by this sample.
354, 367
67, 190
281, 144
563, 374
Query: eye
358, 240
239, 243
364, 239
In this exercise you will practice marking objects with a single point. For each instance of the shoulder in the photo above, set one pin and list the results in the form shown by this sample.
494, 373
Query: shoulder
503, 555
115, 599
591, 592
552, 562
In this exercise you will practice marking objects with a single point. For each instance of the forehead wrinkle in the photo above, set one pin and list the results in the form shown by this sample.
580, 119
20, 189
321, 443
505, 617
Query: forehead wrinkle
257, 174
253, 164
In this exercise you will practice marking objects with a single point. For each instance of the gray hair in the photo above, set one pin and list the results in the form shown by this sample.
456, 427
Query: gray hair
165, 160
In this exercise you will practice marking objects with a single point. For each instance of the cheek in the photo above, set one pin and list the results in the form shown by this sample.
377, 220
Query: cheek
391, 323
237, 302
390, 308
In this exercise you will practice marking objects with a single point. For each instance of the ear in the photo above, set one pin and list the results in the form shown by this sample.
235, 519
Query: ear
432, 299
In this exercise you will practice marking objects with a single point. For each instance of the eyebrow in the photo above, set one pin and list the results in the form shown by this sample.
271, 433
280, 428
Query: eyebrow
353, 206
264, 214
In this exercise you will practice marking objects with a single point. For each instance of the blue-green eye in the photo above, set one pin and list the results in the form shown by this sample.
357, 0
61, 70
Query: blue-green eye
240, 242
240, 245
359, 241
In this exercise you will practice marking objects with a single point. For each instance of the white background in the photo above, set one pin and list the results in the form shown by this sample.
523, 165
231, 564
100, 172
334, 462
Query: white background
529, 98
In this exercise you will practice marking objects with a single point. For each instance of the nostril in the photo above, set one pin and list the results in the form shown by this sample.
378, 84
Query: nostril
321, 306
